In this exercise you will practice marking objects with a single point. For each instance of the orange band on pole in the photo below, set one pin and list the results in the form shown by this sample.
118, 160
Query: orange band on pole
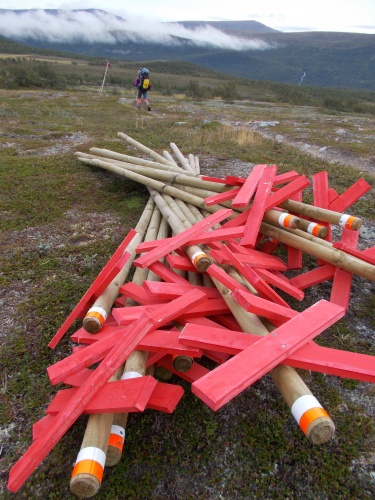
310, 415
288, 220
98, 313
90, 460
347, 221
285, 219
197, 257
314, 228
89, 467
116, 441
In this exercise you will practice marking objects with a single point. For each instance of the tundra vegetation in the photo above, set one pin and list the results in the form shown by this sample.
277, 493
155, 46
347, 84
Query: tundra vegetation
61, 221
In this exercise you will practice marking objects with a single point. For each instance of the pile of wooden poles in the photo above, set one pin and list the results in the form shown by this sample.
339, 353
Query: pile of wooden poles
207, 280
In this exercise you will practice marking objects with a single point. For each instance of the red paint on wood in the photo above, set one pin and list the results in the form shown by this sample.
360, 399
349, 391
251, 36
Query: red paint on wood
113, 360
309, 357
286, 192
258, 207
247, 190
229, 379
263, 307
281, 282
287, 177
167, 274
350, 196
221, 197
139, 294
314, 277
120, 396
173, 290
258, 283
109, 271
181, 238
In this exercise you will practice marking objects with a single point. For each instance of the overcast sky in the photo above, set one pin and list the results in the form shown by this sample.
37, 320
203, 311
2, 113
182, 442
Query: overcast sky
288, 15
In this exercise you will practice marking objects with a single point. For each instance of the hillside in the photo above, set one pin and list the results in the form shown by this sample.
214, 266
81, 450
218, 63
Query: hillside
247, 49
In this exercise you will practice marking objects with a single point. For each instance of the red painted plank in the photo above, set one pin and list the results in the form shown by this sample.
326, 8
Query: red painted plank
181, 238
309, 357
218, 357
165, 397
258, 259
286, 192
258, 283
263, 307
221, 197
167, 274
258, 207
341, 288
120, 396
173, 290
332, 195
224, 278
213, 179
232, 179
261, 261
217, 235
294, 257
229, 379
280, 282
210, 307
342, 280
228, 320
113, 360
109, 271
320, 189
181, 262
350, 196
70, 365
311, 278
139, 294
287, 177
247, 190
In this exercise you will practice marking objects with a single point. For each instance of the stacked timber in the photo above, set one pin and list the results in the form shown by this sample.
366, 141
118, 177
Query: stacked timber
210, 260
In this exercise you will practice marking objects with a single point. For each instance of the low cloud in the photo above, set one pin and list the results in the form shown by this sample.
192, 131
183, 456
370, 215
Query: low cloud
67, 26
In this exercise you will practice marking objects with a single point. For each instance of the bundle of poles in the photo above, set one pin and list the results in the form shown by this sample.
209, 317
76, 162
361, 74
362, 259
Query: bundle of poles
206, 282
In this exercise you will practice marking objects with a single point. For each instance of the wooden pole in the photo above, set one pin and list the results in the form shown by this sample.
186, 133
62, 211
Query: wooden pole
97, 314
323, 214
322, 250
194, 252
135, 365
145, 149
294, 391
89, 467
180, 157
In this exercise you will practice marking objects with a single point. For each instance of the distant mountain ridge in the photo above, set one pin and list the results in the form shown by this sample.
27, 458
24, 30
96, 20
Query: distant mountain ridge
323, 59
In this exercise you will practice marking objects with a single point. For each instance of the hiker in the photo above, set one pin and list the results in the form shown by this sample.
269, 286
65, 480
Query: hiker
142, 82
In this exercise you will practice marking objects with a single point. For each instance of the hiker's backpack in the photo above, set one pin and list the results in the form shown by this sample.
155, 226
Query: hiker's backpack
144, 79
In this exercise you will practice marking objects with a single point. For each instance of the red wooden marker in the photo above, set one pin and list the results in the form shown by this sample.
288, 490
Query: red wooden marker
350, 196
247, 190
109, 271
229, 379
113, 360
258, 207
181, 238
309, 357
286, 192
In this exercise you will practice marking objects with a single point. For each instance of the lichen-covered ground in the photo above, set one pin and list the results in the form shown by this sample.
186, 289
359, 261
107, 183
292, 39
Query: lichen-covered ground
251, 448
